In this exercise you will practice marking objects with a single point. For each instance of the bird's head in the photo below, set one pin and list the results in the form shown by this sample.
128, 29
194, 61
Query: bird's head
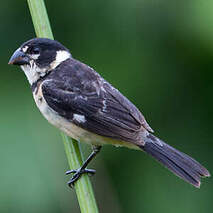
39, 56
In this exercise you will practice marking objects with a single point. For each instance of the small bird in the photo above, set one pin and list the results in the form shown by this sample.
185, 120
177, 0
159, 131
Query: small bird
76, 99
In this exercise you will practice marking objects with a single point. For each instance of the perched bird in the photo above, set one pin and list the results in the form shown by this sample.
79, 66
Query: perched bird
75, 98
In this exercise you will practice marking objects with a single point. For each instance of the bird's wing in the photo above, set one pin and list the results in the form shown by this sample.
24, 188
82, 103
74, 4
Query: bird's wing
95, 105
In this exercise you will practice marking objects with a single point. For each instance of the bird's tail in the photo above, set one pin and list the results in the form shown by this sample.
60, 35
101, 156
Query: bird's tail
179, 163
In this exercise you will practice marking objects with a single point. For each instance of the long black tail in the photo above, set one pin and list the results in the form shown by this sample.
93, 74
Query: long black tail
179, 163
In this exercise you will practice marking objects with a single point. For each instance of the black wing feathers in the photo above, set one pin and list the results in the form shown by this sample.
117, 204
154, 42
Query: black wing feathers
78, 89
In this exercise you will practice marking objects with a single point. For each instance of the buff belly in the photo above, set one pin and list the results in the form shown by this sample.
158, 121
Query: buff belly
71, 129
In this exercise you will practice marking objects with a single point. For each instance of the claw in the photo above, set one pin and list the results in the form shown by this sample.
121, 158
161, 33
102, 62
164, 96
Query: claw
77, 175
73, 179
90, 172
71, 171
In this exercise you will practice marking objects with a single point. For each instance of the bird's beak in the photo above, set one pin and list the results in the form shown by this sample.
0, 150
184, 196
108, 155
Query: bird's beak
19, 58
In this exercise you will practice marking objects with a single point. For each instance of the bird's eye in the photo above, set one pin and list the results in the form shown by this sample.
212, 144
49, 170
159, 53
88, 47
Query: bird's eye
35, 51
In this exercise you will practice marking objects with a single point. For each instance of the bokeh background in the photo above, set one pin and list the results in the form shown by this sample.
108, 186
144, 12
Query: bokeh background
159, 53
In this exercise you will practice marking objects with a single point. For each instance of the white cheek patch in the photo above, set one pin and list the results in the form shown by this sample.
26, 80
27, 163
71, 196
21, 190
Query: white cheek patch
61, 56
24, 49
79, 118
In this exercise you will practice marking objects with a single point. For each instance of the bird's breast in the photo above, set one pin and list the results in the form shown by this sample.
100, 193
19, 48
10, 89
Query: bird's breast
71, 129
54, 118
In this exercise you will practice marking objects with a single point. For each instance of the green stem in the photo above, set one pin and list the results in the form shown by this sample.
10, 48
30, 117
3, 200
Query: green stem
40, 18
83, 186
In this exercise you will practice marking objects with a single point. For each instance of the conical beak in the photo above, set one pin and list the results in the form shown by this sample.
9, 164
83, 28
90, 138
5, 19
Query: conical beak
19, 58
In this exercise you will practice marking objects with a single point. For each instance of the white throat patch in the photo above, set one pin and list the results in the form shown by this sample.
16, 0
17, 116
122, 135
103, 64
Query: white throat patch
33, 72
61, 56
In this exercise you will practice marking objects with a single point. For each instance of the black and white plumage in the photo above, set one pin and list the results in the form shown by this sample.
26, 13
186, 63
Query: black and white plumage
74, 89
77, 100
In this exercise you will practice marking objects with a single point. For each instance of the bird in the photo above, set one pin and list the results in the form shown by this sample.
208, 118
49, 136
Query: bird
73, 97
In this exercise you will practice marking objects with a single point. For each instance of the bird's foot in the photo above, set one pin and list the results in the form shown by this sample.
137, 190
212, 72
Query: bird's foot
77, 174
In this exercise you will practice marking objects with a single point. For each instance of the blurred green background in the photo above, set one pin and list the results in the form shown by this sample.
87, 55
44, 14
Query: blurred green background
159, 53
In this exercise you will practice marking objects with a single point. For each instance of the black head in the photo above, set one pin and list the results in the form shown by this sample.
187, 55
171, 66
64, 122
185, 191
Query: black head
42, 50
38, 56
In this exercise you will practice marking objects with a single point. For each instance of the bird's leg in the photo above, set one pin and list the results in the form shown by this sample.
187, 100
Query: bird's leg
78, 172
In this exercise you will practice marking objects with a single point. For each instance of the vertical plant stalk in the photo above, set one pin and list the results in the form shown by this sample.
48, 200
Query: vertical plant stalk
83, 186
